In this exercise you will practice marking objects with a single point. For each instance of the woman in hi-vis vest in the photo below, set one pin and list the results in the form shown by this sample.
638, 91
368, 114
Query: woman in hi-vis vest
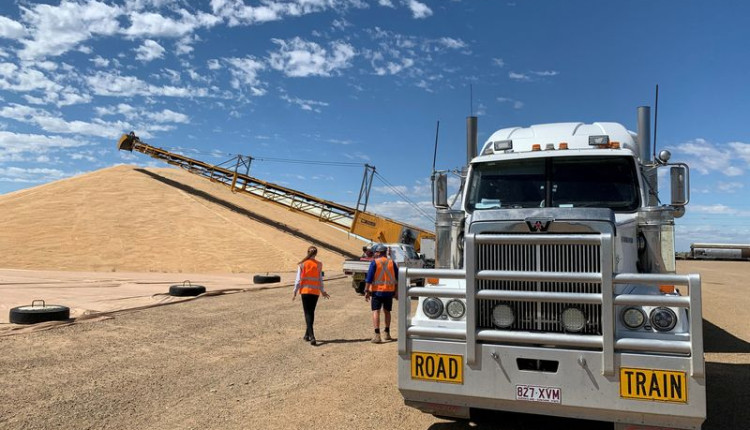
309, 284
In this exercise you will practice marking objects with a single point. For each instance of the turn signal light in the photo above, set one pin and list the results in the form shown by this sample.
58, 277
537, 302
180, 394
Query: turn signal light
666, 289
433, 281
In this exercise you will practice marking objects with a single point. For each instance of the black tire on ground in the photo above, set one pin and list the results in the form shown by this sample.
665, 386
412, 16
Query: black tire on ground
186, 290
36, 314
359, 287
266, 279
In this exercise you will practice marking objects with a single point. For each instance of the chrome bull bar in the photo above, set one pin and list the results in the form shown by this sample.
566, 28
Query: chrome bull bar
605, 342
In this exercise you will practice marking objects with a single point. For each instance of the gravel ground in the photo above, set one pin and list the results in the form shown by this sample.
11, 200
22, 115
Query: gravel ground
237, 361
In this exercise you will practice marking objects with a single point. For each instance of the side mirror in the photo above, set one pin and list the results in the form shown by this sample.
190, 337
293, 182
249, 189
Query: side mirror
680, 179
440, 190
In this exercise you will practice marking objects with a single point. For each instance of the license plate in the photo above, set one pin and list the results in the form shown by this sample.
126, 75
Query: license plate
437, 367
535, 393
648, 384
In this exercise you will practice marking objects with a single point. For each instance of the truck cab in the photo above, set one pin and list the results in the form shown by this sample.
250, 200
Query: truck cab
555, 290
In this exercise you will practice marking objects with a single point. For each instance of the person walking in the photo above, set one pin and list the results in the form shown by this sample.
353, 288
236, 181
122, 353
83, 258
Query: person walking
381, 280
309, 284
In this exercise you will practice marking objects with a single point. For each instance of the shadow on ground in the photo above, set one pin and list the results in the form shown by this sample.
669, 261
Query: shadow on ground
716, 339
727, 396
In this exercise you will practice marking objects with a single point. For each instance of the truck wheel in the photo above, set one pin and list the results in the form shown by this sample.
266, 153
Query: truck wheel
186, 290
35, 313
359, 288
266, 279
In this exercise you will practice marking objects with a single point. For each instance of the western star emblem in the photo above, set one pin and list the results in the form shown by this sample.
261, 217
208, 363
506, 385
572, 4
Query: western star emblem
538, 225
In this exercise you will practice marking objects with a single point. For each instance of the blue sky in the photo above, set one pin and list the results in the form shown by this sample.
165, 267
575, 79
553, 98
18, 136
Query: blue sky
365, 81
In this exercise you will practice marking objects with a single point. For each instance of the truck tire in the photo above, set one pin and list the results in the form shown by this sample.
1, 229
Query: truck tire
35, 314
266, 279
186, 290
359, 287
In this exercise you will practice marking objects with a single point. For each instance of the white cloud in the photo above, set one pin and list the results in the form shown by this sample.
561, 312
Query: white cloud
25, 79
705, 157
56, 124
452, 43
10, 29
236, 12
718, 209
419, 10
300, 58
244, 73
167, 115
150, 24
517, 104
31, 176
742, 150
149, 50
112, 84
18, 146
386, 3
55, 30
519, 76
99, 61
499, 62
545, 73
729, 187
213, 64
406, 212
308, 105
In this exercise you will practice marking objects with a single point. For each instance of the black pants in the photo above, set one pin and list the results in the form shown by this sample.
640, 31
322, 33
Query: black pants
309, 301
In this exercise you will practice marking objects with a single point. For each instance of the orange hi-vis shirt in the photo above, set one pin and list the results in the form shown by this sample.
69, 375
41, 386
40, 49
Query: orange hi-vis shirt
310, 281
385, 276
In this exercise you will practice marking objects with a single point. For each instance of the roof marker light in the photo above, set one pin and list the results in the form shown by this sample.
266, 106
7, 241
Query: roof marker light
614, 145
536, 147
598, 140
503, 145
549, 147
563, 145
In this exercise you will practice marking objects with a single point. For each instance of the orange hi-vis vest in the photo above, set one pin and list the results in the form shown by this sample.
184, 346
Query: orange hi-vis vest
385, 276
310, 281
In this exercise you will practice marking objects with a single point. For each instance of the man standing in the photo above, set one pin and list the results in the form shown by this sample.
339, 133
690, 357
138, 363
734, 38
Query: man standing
381, 280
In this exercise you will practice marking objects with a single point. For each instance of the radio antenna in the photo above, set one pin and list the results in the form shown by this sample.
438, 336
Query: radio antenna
434, 155
656, 118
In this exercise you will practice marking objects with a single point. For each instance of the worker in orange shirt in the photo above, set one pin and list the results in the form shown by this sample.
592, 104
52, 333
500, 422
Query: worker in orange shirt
381, 281
309, 284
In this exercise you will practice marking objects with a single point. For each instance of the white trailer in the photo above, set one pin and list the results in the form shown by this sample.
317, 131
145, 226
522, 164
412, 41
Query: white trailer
555, 290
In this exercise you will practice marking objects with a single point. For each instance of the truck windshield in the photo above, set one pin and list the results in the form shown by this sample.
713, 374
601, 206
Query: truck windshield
595, 182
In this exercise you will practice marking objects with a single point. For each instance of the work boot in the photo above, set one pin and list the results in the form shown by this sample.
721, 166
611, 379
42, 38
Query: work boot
387, 336
376, 338
306, 338
313, 342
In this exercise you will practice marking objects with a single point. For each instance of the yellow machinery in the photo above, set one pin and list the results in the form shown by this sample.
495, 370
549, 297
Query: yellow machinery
364, 224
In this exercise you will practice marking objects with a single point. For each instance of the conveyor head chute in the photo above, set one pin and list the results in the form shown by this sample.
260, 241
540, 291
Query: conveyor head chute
127, 141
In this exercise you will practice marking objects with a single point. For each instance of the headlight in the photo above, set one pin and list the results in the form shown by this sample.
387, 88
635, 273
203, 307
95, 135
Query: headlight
663, 319
633, 318
456, 308
573, 319
503, 316
432, 307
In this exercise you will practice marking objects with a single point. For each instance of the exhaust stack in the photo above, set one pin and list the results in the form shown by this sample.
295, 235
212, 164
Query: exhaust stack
471, 138
644, 133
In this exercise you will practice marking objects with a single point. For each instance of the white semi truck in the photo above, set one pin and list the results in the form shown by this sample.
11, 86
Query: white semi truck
555, 289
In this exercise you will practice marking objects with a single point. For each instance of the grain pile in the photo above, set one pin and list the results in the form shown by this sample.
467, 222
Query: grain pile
156, 220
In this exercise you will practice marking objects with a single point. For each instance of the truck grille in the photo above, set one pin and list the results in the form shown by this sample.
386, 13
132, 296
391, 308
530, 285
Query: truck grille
539, 316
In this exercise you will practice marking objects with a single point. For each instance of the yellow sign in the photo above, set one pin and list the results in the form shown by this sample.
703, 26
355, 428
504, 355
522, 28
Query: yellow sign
437, 367
659, 385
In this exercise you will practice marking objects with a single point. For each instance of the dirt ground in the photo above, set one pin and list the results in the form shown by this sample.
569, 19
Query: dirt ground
237, 361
